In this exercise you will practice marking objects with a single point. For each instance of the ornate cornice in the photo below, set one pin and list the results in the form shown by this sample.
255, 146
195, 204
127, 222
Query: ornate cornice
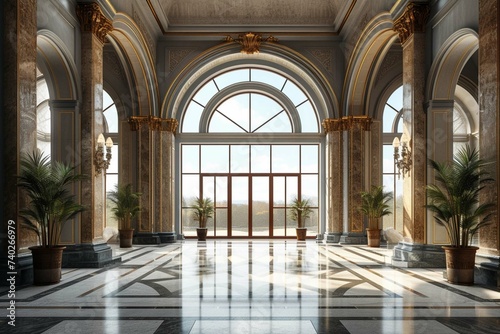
412, 20
250, 42
93, 20
347, 123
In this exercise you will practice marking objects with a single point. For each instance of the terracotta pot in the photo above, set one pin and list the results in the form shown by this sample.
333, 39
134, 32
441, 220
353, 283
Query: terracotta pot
202, 233
126, 236
373, 237
47, 263
301, 233
460, 263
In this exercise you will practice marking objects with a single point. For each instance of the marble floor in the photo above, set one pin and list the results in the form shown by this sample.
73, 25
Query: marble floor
259, 286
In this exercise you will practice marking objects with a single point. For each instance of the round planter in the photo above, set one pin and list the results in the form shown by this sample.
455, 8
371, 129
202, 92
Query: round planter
460, 263
373, 235
301, 233
202, 233
47, 263
126, 236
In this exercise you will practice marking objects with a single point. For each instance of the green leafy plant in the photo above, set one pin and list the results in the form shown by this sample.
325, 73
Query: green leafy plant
203, 210
126, 204
374, 204
50, 203
300, 210
454, 199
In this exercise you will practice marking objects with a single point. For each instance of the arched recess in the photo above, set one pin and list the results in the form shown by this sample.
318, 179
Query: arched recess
138, 63
273, 56
367, 57
449, 63
56, 63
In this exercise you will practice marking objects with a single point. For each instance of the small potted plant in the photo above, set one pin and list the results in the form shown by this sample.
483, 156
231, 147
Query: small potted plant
374, 204
203, 209
126, 207
454, 200
300, 210
50, 206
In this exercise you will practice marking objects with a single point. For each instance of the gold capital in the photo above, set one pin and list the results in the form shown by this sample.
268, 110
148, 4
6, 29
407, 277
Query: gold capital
169, 124
412, 20
250, 42
93, 20
136, 122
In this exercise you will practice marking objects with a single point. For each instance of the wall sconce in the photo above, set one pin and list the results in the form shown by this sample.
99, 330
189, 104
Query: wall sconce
100, 163
403, 162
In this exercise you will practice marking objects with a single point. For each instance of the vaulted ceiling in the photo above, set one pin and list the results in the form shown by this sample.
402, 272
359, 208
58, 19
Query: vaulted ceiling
227, 15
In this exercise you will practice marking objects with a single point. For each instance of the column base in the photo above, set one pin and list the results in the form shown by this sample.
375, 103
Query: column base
167, 237
352, 238
410, 255
332, 237
146, 238
88, 256
487, 270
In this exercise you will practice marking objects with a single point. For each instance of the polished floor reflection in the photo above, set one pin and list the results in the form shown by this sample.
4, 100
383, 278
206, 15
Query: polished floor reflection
241, 286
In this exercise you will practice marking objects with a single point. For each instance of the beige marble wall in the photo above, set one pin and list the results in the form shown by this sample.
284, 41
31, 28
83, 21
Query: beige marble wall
145, 178
489, 64
19, 102
94, 27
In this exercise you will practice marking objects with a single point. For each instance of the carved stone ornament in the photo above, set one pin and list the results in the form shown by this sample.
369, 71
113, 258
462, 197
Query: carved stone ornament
347, 123
250, 42
413, 20
136, 122
93, 20
169, 124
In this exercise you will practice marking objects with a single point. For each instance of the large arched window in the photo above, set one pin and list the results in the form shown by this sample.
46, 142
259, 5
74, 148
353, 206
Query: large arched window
246, 150
392, 125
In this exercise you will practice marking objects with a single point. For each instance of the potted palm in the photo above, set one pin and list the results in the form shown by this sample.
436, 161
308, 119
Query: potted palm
126, 207
454, 201
374, 204
300, 210
50, 205
203, 209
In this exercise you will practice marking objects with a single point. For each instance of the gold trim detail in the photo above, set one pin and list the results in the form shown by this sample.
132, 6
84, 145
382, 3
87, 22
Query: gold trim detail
93, 20
250, 42
347, 123
412, 20
154, 123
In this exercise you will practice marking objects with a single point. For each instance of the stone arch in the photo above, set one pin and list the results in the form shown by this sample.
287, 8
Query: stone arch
368, 55
138, 63
449, 62
272, 56
56, 63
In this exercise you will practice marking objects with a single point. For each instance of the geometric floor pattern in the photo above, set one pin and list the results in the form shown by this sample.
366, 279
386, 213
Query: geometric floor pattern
257, 286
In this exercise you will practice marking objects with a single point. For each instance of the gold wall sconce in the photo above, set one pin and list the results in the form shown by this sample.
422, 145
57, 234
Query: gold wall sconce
99, 161
402, 162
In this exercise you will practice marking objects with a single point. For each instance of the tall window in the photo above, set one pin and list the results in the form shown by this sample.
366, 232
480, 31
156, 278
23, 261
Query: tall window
43, 117
392, 125
251, 161
110, 127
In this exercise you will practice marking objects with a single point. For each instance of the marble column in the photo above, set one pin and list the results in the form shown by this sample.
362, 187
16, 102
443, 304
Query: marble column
414, 251
147, 128
334, 189
489, 137
18, 119
92, 250
166, 229
357, 129
411, 29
